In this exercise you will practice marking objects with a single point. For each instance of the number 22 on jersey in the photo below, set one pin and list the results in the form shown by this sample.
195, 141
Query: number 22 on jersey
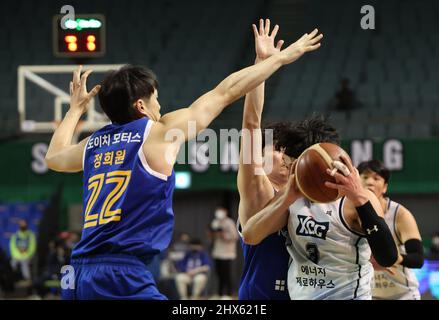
108, 211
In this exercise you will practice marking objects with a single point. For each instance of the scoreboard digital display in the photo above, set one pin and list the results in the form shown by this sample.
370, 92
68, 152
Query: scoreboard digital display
83, 36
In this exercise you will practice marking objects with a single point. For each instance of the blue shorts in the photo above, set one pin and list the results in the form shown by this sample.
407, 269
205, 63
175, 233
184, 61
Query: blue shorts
111, 277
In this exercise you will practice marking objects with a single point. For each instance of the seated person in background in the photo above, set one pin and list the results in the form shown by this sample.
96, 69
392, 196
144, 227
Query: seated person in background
344, 99
22, 247
180, 247
398, 282
193, 269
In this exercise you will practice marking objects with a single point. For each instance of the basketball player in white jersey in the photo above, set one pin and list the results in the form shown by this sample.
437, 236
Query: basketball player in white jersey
401, 283
330, 244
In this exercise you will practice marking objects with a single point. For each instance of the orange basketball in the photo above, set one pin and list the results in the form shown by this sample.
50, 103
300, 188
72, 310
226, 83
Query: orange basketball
311, 175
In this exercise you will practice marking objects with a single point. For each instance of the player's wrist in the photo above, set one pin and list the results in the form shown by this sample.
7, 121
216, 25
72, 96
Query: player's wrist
75, 112
360, 198
259, 59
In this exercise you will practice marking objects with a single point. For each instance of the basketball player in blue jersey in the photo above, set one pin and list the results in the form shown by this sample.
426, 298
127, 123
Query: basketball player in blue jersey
266, 263
401, 282
329, 244
128, 178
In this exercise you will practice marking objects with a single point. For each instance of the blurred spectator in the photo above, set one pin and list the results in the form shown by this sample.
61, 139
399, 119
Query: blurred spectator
22, 247
225, 237
345, 98
56, 259
433, 253
193, 270
179, 247
168, 265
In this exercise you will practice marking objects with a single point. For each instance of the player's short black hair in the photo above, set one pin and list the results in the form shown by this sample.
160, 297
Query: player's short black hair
296, 137
121, 88
375, 166
280, 130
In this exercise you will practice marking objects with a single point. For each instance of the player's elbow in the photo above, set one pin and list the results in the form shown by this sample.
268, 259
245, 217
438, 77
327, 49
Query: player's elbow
50, 162
55, 165
249, 237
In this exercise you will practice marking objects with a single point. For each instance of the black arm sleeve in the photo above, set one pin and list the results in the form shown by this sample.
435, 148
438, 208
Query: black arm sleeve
414, 257
378, 235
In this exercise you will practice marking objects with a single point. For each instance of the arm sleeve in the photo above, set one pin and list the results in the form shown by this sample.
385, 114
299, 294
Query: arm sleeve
414, 257
378, 235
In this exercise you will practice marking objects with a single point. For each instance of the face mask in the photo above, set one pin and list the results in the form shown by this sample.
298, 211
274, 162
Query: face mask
220, 214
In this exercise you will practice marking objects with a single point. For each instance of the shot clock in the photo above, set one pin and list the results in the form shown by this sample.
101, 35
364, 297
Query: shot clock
81, 37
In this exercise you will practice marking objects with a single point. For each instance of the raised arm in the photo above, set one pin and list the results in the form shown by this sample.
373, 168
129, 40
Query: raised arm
62, 155
254, 187
255, 190
210, 105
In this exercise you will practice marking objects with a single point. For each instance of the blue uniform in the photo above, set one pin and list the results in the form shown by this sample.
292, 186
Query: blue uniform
128, 217
265, 270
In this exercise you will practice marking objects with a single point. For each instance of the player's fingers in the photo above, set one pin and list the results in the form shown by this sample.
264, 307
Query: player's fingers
316, 39
84, 78
77, 76
267, 26
94, 91
341, 167
261, 27
347, 162
314, 47
313, 33
338, 177
255, 30
332, 185
279, 45
291, 170
274, 32
74, 78
71, 88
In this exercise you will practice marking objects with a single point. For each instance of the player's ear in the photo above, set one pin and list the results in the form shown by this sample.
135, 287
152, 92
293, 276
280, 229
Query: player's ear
140, 106
386, 185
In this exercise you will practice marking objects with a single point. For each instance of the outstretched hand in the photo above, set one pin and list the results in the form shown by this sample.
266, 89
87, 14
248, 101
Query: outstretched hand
79, 97
307, 43
264, 41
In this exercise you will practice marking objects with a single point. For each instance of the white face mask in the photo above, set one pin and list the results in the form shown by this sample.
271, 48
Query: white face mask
220, 214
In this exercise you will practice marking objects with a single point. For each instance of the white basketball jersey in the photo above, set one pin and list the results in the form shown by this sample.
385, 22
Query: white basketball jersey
403, 285
329, 261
